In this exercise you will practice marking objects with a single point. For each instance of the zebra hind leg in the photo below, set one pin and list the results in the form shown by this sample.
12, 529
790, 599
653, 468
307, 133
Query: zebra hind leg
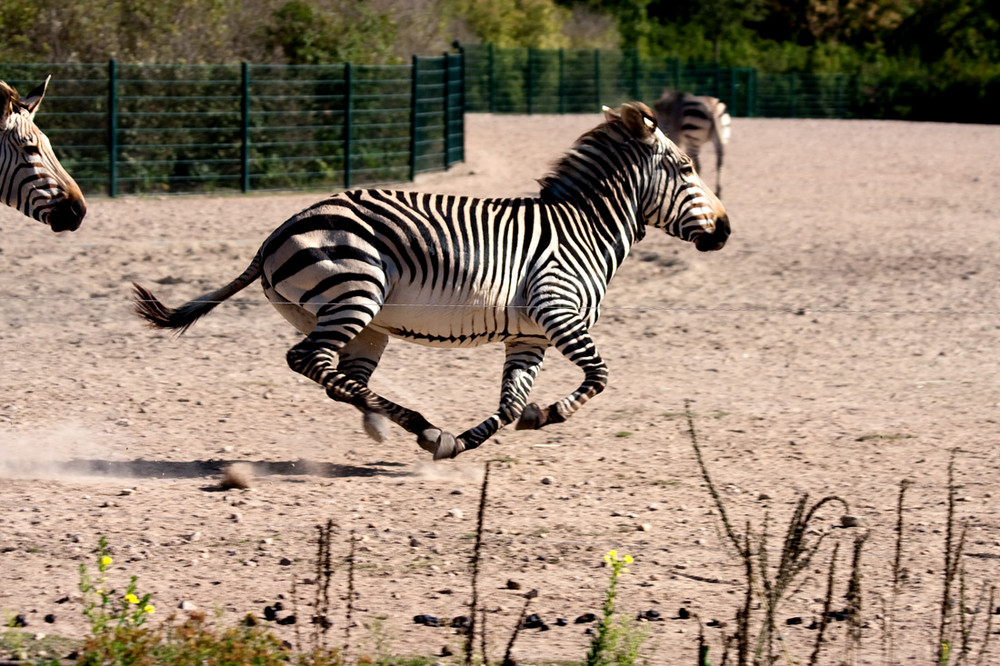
316, 358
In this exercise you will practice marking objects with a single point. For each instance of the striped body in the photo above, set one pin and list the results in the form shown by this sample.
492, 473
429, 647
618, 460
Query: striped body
692, 121
31, 178
448, 271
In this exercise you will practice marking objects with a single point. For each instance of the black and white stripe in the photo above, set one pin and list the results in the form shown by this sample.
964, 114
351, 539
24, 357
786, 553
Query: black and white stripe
452, 271
691, 121
31, 178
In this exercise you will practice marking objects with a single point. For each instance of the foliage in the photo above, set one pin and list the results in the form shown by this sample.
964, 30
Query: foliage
107, 609
617, 640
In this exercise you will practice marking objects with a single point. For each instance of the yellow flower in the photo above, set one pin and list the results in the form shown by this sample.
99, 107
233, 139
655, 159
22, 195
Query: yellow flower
106, 560
149, 609
131, 598
628, 559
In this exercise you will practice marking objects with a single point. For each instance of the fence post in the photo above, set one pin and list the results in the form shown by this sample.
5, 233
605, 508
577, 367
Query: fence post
447, 108
348, 103
112, 128
636, 95
530, 87
244, 127
562, 80
492, 80
597, 78
463, 77
414, 103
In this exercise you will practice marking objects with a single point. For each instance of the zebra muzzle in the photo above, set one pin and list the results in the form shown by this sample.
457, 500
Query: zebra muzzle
714, 240
67, 214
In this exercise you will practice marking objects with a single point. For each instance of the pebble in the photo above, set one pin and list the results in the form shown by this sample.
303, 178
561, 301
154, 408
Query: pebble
187, 606
456, 513
547, 480
849, 521
645, 527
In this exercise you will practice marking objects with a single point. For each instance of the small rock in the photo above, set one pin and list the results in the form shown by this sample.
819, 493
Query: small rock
650, 616
793, 621
270, 614
50, 619
547, 480
126, 491
187, 606
561, 622
19, 621
763, 497
288, 619
849, 521
585, 618
645, 527
414, 542
427, 620
533, 621
460, 622
285, 562
683, 613
513, 585
456, 513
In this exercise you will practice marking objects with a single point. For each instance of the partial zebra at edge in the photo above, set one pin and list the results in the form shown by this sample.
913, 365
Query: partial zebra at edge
451, 271
31, 177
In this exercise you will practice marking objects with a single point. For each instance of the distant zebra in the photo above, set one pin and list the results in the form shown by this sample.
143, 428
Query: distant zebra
454, 271
31, 178
690, 121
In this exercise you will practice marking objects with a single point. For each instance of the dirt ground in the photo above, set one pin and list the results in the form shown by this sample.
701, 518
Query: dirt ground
844, 340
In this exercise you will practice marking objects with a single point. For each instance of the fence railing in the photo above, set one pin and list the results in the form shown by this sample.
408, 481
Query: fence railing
122, 129
524, 80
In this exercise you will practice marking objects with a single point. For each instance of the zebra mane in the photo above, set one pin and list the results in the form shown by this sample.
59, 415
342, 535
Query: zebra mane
577, 175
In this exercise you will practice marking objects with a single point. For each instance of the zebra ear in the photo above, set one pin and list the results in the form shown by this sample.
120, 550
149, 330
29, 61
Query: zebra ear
610, 115
34, 98
640, 121
8, 97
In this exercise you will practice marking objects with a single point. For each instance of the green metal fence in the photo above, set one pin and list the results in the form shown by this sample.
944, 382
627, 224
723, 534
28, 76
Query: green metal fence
123, 129
510, 80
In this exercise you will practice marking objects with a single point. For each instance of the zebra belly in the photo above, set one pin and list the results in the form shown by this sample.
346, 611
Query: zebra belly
453, 326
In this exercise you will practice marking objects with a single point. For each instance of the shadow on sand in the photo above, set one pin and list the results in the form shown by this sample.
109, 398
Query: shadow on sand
196, 469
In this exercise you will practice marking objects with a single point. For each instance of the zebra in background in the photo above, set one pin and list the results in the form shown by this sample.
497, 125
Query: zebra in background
454, 271
31, 178
692, 120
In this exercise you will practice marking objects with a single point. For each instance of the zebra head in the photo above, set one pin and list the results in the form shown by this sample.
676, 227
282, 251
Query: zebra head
31, 178
673, 197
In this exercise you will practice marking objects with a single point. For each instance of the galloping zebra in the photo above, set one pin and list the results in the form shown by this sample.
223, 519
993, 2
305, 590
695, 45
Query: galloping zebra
31, 178
454, 271
691, 120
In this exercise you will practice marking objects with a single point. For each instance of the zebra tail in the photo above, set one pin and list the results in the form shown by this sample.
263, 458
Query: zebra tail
158, 315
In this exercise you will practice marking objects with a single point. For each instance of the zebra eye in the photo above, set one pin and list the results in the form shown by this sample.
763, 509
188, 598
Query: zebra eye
687, 168
32, 150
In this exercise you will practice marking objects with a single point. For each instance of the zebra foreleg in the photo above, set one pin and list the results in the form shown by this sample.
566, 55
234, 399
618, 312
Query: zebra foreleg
582, 352
521, 366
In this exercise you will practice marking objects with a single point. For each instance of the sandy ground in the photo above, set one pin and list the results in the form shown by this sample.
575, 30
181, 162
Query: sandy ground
845, 339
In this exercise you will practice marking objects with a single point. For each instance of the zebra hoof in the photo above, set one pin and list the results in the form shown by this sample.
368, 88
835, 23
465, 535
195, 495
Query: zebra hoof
376, 426
440, 443
532, 418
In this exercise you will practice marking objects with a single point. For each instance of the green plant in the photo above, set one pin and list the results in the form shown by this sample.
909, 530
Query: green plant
104, 607
616, 641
